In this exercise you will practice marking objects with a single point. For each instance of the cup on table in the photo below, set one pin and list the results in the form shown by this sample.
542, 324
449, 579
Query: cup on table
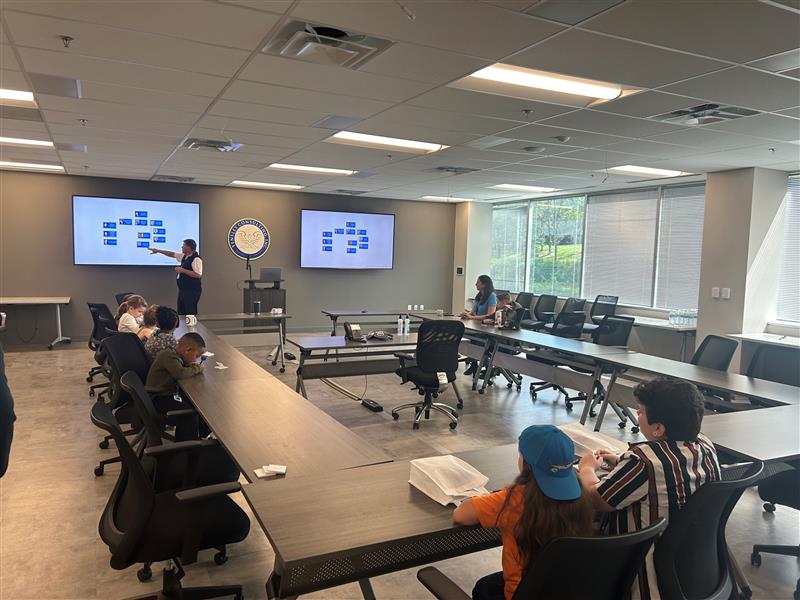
191, 320
440, 312
277, 311
257, 307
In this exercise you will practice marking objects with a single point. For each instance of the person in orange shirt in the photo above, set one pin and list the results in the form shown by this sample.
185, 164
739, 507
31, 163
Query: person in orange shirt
544, 502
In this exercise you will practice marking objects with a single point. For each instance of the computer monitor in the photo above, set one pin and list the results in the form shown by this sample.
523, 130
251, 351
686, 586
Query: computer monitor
270, 274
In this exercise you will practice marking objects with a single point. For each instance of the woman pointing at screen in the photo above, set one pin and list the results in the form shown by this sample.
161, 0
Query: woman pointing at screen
189, 274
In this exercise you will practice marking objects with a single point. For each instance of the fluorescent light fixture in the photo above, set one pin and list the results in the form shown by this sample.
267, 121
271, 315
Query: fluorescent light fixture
271, 186
548, 81
9, 164
513, 187
646, 171
16, 95
24, 142
447, 199
384, 143
306, 169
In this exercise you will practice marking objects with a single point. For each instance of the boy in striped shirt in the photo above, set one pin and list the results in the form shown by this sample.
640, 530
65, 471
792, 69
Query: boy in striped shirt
655, 476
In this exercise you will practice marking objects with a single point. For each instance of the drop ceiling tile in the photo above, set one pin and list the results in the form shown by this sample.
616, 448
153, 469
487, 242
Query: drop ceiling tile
275, 6
22, 153
115, 123
766, 126
530, 169
422, 63
604, 156
93, 109
36, 128
93, 90
471, 28
336, 156
7, 58
332, 104
254, 143
106, 71
570, 13
778, 62
789, 167
380, 125
13, 80
334, 80
690, 164
600, 122
508, 150
220, 123
566, 162
792, 73
585, 54
34, 31
488, 105
763, 154
701, 139
791, 112
75, 134
261, 112
449, 120
546, 133
741, 86
646, 104
457, 153
735, 31
206, 22
645, 148
273, 176
515, 5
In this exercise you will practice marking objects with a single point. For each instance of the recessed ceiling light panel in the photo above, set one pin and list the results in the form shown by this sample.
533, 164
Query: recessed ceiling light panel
309, 169
513, 187
646, 171
548, 81
26, 166
352, 138
18, 95
262, 184
25, 142
447, 199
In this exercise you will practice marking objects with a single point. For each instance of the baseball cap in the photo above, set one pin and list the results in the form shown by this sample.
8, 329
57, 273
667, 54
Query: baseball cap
551, 453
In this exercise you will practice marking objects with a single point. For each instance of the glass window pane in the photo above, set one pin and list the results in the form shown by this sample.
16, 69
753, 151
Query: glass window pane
619, 256
509, 239
789, 278
556, 232
680, 246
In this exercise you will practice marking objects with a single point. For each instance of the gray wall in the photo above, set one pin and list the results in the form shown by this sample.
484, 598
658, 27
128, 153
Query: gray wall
36, 253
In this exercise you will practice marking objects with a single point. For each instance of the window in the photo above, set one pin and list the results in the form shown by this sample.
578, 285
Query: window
789, 274
556, 244
680, 245
619, 254
509, 241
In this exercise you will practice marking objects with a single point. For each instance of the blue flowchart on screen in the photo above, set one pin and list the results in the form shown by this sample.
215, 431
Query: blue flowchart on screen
358, 241
346, 241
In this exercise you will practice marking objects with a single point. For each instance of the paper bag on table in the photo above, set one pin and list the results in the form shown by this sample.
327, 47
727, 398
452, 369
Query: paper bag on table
447, 479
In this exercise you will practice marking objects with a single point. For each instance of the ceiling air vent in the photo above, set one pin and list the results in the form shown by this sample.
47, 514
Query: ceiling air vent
172, 178
705, 114
221, 145
324, 45
350, 192
453, 170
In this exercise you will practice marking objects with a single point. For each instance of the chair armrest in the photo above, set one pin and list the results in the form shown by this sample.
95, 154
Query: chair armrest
209, 491
548, 316
441, 586
404, 356
187, 446
183, 412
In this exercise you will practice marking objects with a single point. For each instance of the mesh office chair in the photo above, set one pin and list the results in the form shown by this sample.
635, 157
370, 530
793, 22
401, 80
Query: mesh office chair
125, 353
776, 363
524, 299
608, 567
101, 317
572, 305
567, 325
542, 313
691, 557
715, 352
603, 305
141, 525
120, 298
436, 352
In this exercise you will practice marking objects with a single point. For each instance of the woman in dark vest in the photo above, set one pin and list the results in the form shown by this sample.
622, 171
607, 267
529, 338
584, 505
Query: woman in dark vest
189, 275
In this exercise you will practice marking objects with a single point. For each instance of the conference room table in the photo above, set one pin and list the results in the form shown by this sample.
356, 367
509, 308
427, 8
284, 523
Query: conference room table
334, 314
277, 353
370, 521
56, 301
260, 421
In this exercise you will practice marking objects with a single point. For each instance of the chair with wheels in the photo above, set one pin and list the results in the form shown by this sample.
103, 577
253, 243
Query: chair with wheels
776, 363
120, 298
567, 325
691, 558
141, 525
603, 305
541, 313
101, 316
609, 565
524, 299
784, 489
572, 305
436, 352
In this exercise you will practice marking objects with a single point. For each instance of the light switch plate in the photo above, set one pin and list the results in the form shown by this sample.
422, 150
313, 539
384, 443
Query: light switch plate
726, 293
715, 292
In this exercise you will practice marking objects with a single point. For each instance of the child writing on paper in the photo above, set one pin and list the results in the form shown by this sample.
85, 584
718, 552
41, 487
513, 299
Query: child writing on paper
172, 365
657, 476
544, 502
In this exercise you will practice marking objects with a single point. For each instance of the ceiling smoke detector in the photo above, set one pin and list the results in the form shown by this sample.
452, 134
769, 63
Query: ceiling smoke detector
221, 145
324, 45
705, 114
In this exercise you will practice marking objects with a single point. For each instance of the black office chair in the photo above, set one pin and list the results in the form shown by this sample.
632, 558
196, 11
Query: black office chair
141, 525
524, 299
101, 315
609, 565
782, 488
436, 352
715, 352
125, 353
572, 305
567, 325
776, 363
691, 558
603, 305
120, 298
541, 313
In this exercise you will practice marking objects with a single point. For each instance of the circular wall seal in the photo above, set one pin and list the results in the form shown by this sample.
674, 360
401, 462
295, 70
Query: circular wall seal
248, 238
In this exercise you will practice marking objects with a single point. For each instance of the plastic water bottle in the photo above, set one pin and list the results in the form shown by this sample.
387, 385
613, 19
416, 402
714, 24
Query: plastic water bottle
400, 325
407, 325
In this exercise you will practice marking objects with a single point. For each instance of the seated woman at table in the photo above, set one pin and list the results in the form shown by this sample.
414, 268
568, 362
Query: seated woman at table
149, 323
483, 306
544, 502
164, 336
129, 320
655, 477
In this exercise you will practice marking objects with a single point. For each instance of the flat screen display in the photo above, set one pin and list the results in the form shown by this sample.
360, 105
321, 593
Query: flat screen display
346, 240
121, 231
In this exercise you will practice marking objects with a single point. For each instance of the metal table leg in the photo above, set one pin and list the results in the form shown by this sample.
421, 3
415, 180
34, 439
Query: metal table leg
300, 385
606, 400
489, 367
587, 405
281, 342
59, 336
366, 589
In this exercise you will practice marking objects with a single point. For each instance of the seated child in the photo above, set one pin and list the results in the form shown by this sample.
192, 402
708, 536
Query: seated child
149, 323
170, 366
658, 475
544, 502
135, 306
508, 308
163, 337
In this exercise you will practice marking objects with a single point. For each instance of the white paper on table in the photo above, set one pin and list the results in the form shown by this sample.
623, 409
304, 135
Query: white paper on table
447, 479
220, 366
207, 354
587, 440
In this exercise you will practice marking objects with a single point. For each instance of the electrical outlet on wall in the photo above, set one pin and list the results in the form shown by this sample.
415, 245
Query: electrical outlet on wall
715, 292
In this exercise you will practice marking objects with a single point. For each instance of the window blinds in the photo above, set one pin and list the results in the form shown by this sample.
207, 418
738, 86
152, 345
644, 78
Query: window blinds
789, 275
509, 246
619, 247
680, 246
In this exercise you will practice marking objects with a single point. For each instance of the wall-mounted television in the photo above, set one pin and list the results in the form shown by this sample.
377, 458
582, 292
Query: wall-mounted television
121, 231
346, 240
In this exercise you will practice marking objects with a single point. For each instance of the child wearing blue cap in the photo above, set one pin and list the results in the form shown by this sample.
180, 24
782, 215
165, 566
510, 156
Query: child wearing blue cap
544, 502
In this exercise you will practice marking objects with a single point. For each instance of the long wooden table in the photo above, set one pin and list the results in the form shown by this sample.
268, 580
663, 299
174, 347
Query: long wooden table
374, 522
56, 301
259, 420
277, 353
